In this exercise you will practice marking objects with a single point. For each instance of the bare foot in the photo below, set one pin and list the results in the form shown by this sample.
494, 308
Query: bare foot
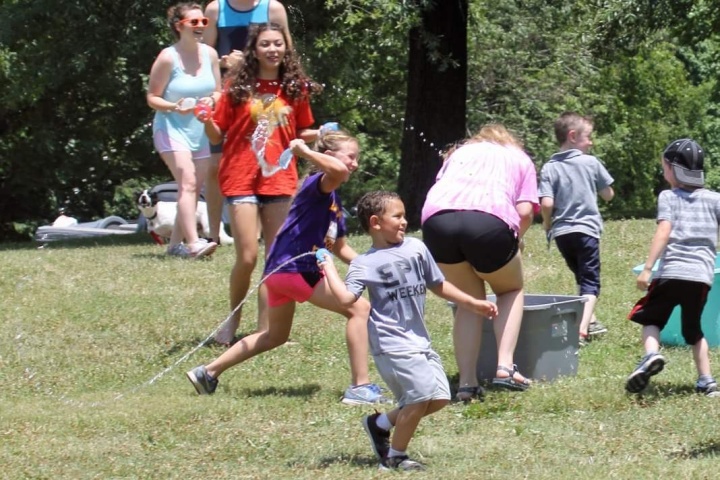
226, 335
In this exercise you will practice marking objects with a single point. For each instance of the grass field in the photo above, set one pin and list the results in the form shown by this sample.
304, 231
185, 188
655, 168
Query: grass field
86, 325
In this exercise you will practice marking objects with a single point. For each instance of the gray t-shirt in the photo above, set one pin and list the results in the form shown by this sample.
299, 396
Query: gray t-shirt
690, 252
572, 179
396, 278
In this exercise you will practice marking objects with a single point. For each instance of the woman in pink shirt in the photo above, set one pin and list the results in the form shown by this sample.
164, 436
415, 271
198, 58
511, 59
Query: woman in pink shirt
473, 222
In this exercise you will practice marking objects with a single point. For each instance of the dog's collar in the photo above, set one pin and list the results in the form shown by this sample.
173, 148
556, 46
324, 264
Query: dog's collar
153, 217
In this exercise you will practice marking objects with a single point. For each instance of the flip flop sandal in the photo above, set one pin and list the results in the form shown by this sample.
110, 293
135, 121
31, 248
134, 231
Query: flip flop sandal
509, 382
466, 394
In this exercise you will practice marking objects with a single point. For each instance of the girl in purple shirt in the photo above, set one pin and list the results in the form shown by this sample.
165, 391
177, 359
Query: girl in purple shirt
315, 221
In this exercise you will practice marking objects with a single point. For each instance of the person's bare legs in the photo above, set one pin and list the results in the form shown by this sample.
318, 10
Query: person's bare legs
213, 197
588, 313
701, 357
243, 224
272, 216
651, 338
467, 329
184, 173
507, 284
278, 331
356, 334
407, 419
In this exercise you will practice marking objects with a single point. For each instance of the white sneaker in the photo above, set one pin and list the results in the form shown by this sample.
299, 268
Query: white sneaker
178, 250
202, 248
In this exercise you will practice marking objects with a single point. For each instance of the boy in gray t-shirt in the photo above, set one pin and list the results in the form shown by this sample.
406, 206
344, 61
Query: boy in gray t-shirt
397, 271
570, 183
685, 241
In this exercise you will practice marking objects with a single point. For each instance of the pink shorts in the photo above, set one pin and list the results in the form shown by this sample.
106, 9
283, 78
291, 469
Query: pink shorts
291, 287
163, 143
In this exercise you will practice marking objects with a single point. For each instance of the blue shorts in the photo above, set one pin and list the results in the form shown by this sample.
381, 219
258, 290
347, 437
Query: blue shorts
582, 255
257, 199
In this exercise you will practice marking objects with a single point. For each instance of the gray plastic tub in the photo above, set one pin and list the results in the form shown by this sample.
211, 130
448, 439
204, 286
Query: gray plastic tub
548, 342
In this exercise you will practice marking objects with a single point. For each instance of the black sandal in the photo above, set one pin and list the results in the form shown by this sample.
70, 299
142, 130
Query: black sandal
467, 394
509, 382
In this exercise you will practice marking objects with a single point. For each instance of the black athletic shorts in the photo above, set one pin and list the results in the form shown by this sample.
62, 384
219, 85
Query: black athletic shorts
663, 295
483, 240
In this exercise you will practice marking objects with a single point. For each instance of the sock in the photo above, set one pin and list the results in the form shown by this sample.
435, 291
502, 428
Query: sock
396, 453
383, 422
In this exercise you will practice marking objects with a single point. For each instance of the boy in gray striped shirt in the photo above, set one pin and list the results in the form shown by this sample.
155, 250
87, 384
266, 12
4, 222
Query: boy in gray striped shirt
685, 243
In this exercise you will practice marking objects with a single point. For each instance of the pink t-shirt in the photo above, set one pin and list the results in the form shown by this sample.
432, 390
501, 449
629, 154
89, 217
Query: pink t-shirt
484, 177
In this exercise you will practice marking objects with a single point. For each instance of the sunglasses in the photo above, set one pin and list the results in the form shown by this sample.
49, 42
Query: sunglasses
194, 22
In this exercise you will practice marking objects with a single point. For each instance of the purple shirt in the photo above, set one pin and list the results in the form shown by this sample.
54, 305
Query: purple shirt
315, 221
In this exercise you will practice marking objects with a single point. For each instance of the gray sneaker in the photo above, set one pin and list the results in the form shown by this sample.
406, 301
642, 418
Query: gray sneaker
401, 463
379, 438
178, 250
368, 394
202, 381
596, 328
709, 389
651, 364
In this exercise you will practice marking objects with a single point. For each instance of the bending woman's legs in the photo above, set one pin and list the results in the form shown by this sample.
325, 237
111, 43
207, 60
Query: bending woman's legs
467, 329
507, 283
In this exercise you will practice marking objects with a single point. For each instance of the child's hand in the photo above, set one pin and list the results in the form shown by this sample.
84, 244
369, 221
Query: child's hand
298, 147
643, 280
484, 307
324, 258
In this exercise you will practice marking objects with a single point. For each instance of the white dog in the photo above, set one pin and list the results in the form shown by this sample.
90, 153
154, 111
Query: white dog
160, 216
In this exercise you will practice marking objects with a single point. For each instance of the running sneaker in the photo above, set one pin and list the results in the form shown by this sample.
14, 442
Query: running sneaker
651, 364
368, 394
379, 438
202, 381
596, 328
401, 463
708, 388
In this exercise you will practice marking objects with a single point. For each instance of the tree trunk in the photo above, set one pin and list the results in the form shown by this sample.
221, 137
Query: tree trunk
436, 91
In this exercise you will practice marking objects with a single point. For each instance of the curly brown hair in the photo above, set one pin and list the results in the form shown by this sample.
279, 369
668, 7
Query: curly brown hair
242, 78
373, 203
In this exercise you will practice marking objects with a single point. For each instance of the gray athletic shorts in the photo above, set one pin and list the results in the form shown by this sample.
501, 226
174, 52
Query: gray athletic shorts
413, 377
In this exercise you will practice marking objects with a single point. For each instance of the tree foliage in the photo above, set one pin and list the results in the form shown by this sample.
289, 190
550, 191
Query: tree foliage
74, 125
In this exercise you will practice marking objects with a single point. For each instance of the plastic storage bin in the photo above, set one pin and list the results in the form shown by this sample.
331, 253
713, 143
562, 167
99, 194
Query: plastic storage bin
710, 321
548, 342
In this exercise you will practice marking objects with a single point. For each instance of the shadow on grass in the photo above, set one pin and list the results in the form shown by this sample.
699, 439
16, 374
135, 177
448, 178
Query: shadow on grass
657, 392
344, 459
706, 449
308, 390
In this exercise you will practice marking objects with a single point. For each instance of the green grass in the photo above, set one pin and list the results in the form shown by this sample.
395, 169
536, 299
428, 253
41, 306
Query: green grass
86, 325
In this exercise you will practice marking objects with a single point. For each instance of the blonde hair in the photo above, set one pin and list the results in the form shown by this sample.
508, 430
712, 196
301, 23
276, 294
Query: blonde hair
493, 133
329, 141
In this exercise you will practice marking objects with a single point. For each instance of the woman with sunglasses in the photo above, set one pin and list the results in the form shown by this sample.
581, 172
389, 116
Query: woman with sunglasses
183, 75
